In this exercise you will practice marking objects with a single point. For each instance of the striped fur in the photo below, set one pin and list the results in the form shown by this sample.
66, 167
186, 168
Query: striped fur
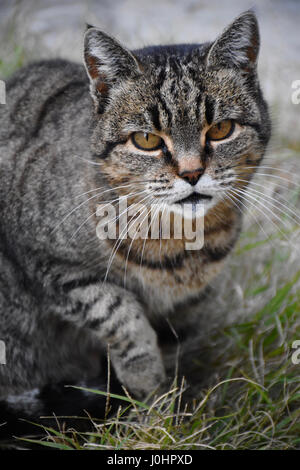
59, 304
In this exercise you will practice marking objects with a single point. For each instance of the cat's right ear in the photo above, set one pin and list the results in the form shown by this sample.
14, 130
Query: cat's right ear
108, 63
238, 45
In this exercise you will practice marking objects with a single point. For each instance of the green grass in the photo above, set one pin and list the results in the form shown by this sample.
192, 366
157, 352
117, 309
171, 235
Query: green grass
252, 408
15, 61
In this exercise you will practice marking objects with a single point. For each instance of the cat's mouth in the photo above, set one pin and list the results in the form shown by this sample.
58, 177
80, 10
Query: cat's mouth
194, 198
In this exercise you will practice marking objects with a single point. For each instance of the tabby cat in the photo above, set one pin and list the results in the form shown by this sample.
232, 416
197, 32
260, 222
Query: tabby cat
180, 124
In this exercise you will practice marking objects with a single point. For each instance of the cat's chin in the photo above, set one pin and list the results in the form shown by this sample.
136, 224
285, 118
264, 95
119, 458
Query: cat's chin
191, 209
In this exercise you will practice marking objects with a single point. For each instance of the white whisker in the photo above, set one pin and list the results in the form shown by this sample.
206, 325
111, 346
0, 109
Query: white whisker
275, 201
108, 202
107, 190
252, 214
244, 195
130, 246
119, 240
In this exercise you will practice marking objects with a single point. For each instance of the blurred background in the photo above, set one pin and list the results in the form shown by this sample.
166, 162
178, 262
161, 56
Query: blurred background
33, 29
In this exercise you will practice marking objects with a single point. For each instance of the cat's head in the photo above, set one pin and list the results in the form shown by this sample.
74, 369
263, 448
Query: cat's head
179, 124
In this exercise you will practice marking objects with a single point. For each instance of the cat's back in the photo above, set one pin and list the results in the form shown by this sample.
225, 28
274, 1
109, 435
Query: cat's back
40, 94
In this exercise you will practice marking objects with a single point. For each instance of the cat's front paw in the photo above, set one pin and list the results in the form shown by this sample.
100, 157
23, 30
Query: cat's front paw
142, 375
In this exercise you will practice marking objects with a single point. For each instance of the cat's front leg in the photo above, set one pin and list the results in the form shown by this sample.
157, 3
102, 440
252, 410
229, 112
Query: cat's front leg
118, 319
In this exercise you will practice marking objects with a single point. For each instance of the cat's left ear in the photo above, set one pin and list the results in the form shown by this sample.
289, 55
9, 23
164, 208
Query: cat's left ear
238, 45
107, 63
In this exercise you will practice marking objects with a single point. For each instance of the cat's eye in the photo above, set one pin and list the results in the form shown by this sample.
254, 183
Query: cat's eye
146, 141
221, 130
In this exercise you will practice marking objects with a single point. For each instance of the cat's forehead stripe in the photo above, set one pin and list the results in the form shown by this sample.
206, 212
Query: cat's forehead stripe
154, 113
209, 109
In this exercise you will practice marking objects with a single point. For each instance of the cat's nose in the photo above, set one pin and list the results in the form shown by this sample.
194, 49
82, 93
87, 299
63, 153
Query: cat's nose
192, 176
